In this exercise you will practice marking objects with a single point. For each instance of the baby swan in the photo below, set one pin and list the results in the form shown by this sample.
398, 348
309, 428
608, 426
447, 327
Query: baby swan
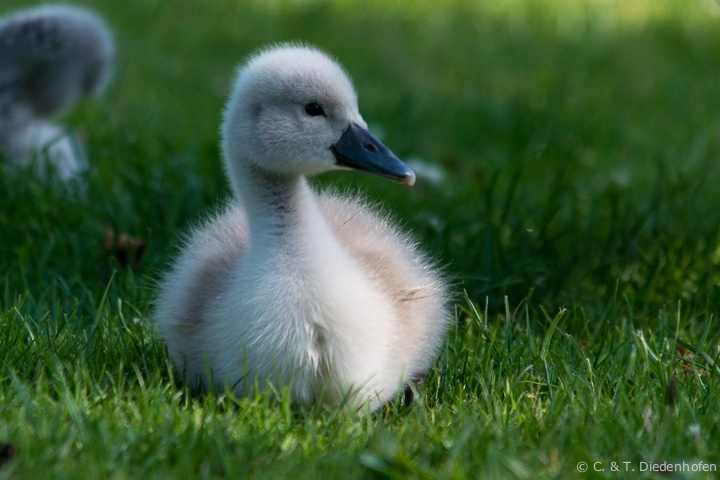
315, 292
50, 58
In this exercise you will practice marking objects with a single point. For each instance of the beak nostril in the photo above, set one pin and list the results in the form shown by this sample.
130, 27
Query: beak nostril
369, 147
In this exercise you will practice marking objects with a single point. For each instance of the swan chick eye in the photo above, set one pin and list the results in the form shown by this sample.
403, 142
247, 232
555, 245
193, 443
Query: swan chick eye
314, 109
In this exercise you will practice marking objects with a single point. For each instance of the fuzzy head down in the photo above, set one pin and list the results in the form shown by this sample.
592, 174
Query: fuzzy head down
267, 124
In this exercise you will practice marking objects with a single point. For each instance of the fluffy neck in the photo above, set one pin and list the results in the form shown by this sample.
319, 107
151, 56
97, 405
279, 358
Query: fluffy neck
278, 207
289, 236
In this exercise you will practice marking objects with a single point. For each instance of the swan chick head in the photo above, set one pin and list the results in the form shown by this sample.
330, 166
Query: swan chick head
51, 56
293, 111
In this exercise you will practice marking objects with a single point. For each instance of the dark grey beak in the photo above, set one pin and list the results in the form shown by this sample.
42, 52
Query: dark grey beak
360, 150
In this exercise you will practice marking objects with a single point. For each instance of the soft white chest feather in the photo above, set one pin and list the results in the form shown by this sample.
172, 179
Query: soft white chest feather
300, 307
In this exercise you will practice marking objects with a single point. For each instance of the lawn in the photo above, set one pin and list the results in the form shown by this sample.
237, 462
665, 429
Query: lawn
578, 212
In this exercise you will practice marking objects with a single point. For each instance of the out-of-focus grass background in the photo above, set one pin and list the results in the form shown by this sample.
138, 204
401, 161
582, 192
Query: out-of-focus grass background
579, 145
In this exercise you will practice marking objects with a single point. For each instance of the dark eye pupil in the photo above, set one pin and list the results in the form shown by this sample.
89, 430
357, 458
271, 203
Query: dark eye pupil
314, 109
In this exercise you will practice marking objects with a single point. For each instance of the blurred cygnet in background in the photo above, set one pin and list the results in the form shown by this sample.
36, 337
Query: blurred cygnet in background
51, 57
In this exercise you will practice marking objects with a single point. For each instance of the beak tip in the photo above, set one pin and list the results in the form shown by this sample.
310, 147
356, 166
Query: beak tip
409, 178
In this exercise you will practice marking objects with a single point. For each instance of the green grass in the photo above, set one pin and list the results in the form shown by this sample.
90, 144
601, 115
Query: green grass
579, 215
